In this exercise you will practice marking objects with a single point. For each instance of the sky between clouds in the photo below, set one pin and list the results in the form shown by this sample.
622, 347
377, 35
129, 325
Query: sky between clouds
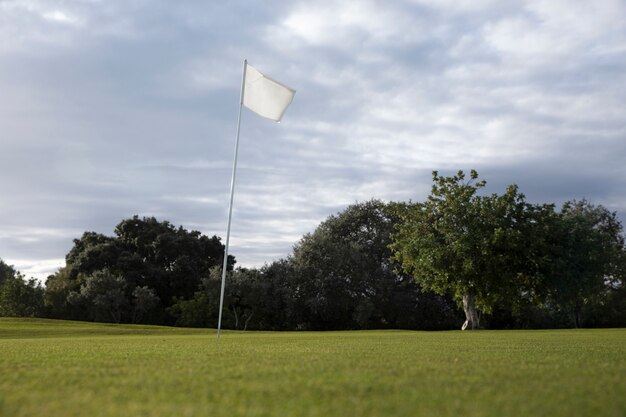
115, 108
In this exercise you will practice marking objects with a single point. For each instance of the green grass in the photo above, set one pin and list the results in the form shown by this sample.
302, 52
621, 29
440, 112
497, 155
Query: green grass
56, 368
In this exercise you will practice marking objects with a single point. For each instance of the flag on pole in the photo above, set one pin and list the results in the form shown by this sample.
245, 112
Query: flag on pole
266, 97
269, 99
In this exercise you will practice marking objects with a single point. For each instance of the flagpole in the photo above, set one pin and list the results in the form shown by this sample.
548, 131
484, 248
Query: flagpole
232, 194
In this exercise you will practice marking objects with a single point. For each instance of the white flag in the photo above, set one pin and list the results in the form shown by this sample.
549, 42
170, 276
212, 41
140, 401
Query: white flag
264, 96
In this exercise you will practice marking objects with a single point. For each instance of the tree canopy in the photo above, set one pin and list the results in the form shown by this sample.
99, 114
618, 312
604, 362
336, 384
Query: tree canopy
504, 262
19, 297
345, 278
585, 258
340, 276
487, 250
144, 253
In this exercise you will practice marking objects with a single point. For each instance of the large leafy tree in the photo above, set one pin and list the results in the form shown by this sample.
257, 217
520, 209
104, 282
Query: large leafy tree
343, 276
146, 253
469, 245
585, 261
171, 260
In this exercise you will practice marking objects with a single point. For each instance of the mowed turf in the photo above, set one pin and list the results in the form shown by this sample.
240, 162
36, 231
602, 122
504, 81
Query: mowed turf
56, 368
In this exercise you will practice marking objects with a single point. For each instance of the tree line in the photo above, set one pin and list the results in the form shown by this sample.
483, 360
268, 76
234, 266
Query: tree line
460, 258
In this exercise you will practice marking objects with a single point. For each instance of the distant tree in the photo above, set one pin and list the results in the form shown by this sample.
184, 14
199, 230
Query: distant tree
472, 246
585, 262
19, 297
243, 300
6, 272
337, 266
174, 259
144, 300
58, 287
244, 296
92, 252
607, 309
277, 308
104, 296
146, 253
343, 277
201, 310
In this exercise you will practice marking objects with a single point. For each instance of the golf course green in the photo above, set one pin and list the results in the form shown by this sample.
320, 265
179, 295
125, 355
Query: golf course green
53, 368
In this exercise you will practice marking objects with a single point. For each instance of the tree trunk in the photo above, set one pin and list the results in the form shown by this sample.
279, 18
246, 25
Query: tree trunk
245, 327
236, 318
471, 315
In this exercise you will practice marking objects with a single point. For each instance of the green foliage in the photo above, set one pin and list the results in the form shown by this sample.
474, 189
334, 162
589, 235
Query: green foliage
244, 297
145, 253
202, 309
461, 242
585, 265
103, 296
338, 277
19, 297
343, 277
144, 300
524, 265
373, 265
277, 307
174, 260
54, 369
92, 252
243, 300
195, 312
7, 272
58, 288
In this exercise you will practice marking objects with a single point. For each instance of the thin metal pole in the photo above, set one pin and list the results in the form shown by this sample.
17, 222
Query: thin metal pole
232, 194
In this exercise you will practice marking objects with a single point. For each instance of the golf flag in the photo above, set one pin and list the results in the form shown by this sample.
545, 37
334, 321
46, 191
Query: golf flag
266, 97
269, 99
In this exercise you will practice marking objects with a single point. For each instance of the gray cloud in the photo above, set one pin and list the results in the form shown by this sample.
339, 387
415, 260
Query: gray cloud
109, 109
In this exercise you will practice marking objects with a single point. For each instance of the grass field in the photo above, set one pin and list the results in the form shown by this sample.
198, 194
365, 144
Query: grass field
56, 368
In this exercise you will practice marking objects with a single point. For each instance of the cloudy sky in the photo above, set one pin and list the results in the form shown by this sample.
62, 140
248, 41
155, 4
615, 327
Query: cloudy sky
115, 108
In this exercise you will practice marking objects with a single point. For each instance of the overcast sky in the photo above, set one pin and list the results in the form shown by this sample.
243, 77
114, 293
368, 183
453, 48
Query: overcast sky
115, 108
